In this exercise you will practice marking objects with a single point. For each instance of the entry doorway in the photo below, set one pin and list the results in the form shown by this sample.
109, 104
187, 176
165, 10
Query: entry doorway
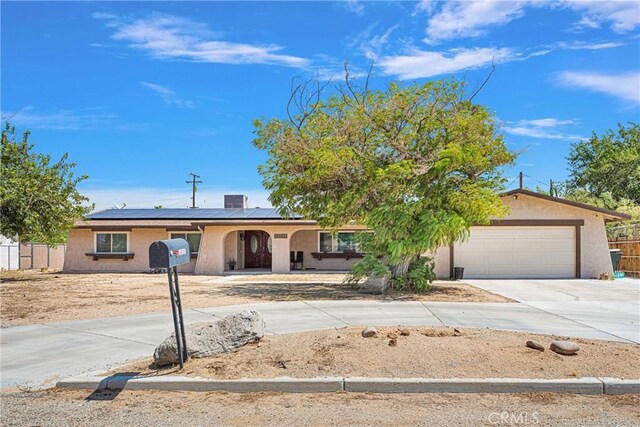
257, 249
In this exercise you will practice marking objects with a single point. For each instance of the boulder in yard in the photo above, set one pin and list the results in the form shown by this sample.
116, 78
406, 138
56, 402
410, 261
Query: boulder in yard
566, 348
207, 339
535, 345
369, 332
374, 285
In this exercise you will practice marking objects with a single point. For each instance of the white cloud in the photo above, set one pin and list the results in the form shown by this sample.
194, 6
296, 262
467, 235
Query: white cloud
548, 122
469, 18
425, 6
472, 18
332, 68
168, 96
624, 86
148, 197
582, 45
534, 132
546, 128
170, 37
419, 63
83, 119
372, 47
353, 6
623, 16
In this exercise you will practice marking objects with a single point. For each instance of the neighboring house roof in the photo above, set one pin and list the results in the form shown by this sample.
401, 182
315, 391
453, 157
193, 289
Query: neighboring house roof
606, 212
189, 214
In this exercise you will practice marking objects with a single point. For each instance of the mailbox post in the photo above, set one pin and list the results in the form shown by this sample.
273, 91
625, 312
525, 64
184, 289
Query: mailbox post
170, 254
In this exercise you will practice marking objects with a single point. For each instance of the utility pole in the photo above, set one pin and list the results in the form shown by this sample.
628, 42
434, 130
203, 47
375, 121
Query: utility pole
194, 182
520, 176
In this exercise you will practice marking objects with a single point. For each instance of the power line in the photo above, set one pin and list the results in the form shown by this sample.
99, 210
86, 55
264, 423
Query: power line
512, 182
194, 182
536, 180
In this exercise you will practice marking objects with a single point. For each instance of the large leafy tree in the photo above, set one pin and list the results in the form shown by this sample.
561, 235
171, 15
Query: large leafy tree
38, 198
609, 163
418, 165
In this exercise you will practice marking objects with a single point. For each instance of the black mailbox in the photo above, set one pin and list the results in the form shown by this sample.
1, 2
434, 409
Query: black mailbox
169, 253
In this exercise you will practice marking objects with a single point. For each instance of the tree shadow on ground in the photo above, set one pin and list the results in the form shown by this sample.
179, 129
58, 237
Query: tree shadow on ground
320, 291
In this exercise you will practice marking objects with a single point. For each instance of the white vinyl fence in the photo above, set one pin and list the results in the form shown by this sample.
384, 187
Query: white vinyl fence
9, 256
31, 256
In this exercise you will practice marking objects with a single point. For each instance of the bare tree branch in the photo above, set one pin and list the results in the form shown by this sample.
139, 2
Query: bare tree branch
477, 91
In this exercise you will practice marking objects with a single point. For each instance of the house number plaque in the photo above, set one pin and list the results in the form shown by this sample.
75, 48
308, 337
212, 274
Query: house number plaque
280, 236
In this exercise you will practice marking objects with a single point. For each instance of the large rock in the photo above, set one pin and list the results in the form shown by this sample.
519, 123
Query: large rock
374, 285
369, 332
207, 339
566, 348
535, 345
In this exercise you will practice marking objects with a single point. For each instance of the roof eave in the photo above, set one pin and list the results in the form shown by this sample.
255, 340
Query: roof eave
608, 214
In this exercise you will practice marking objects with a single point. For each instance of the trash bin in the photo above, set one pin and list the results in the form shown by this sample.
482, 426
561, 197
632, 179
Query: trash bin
458, 273
616, 255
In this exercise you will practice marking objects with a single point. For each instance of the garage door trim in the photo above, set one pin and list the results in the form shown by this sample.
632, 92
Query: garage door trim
577, 223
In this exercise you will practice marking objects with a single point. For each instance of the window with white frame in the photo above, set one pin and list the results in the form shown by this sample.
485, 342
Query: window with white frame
192, 238
343, 241
114, 243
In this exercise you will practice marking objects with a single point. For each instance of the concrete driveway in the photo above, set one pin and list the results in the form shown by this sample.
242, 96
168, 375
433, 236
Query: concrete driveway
611, 307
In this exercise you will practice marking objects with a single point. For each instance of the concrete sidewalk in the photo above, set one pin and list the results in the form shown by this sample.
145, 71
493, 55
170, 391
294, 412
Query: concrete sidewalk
39, 355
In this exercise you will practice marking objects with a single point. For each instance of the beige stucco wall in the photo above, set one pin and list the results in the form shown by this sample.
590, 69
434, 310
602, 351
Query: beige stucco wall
441, 260
234, 248
307, 242
594, 257
81, 241
216, 245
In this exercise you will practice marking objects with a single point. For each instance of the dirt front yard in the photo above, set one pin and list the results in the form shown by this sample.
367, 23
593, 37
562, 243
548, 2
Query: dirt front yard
29, 297
154, 408
422, 352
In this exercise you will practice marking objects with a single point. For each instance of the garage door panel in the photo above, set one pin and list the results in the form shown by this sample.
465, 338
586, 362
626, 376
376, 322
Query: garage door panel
525, 258
518, 252
539, 244
559, 232
526, 233
561, 258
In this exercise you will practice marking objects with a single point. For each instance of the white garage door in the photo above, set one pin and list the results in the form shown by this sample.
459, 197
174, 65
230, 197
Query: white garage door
518, 252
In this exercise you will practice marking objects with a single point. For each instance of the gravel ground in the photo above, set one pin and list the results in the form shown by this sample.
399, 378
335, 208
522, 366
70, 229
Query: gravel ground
131, 408
29, 297
441, 352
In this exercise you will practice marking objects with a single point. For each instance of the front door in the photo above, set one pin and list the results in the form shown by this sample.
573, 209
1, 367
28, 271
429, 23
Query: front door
257, 249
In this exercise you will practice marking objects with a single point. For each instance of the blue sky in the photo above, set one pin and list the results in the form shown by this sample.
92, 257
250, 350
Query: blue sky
140, 94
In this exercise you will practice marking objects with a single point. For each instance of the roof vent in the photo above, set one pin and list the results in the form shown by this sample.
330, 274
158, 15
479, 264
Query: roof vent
235, 201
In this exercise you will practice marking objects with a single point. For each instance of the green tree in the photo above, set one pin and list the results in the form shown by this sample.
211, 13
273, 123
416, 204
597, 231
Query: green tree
418, 165
38, 199
609, 163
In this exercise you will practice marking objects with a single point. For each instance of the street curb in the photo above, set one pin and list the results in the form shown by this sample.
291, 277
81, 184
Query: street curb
177, 383
473, 385
618, 386
593, 386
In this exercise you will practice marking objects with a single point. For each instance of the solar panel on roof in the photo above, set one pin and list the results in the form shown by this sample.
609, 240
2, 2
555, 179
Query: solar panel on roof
193, 214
